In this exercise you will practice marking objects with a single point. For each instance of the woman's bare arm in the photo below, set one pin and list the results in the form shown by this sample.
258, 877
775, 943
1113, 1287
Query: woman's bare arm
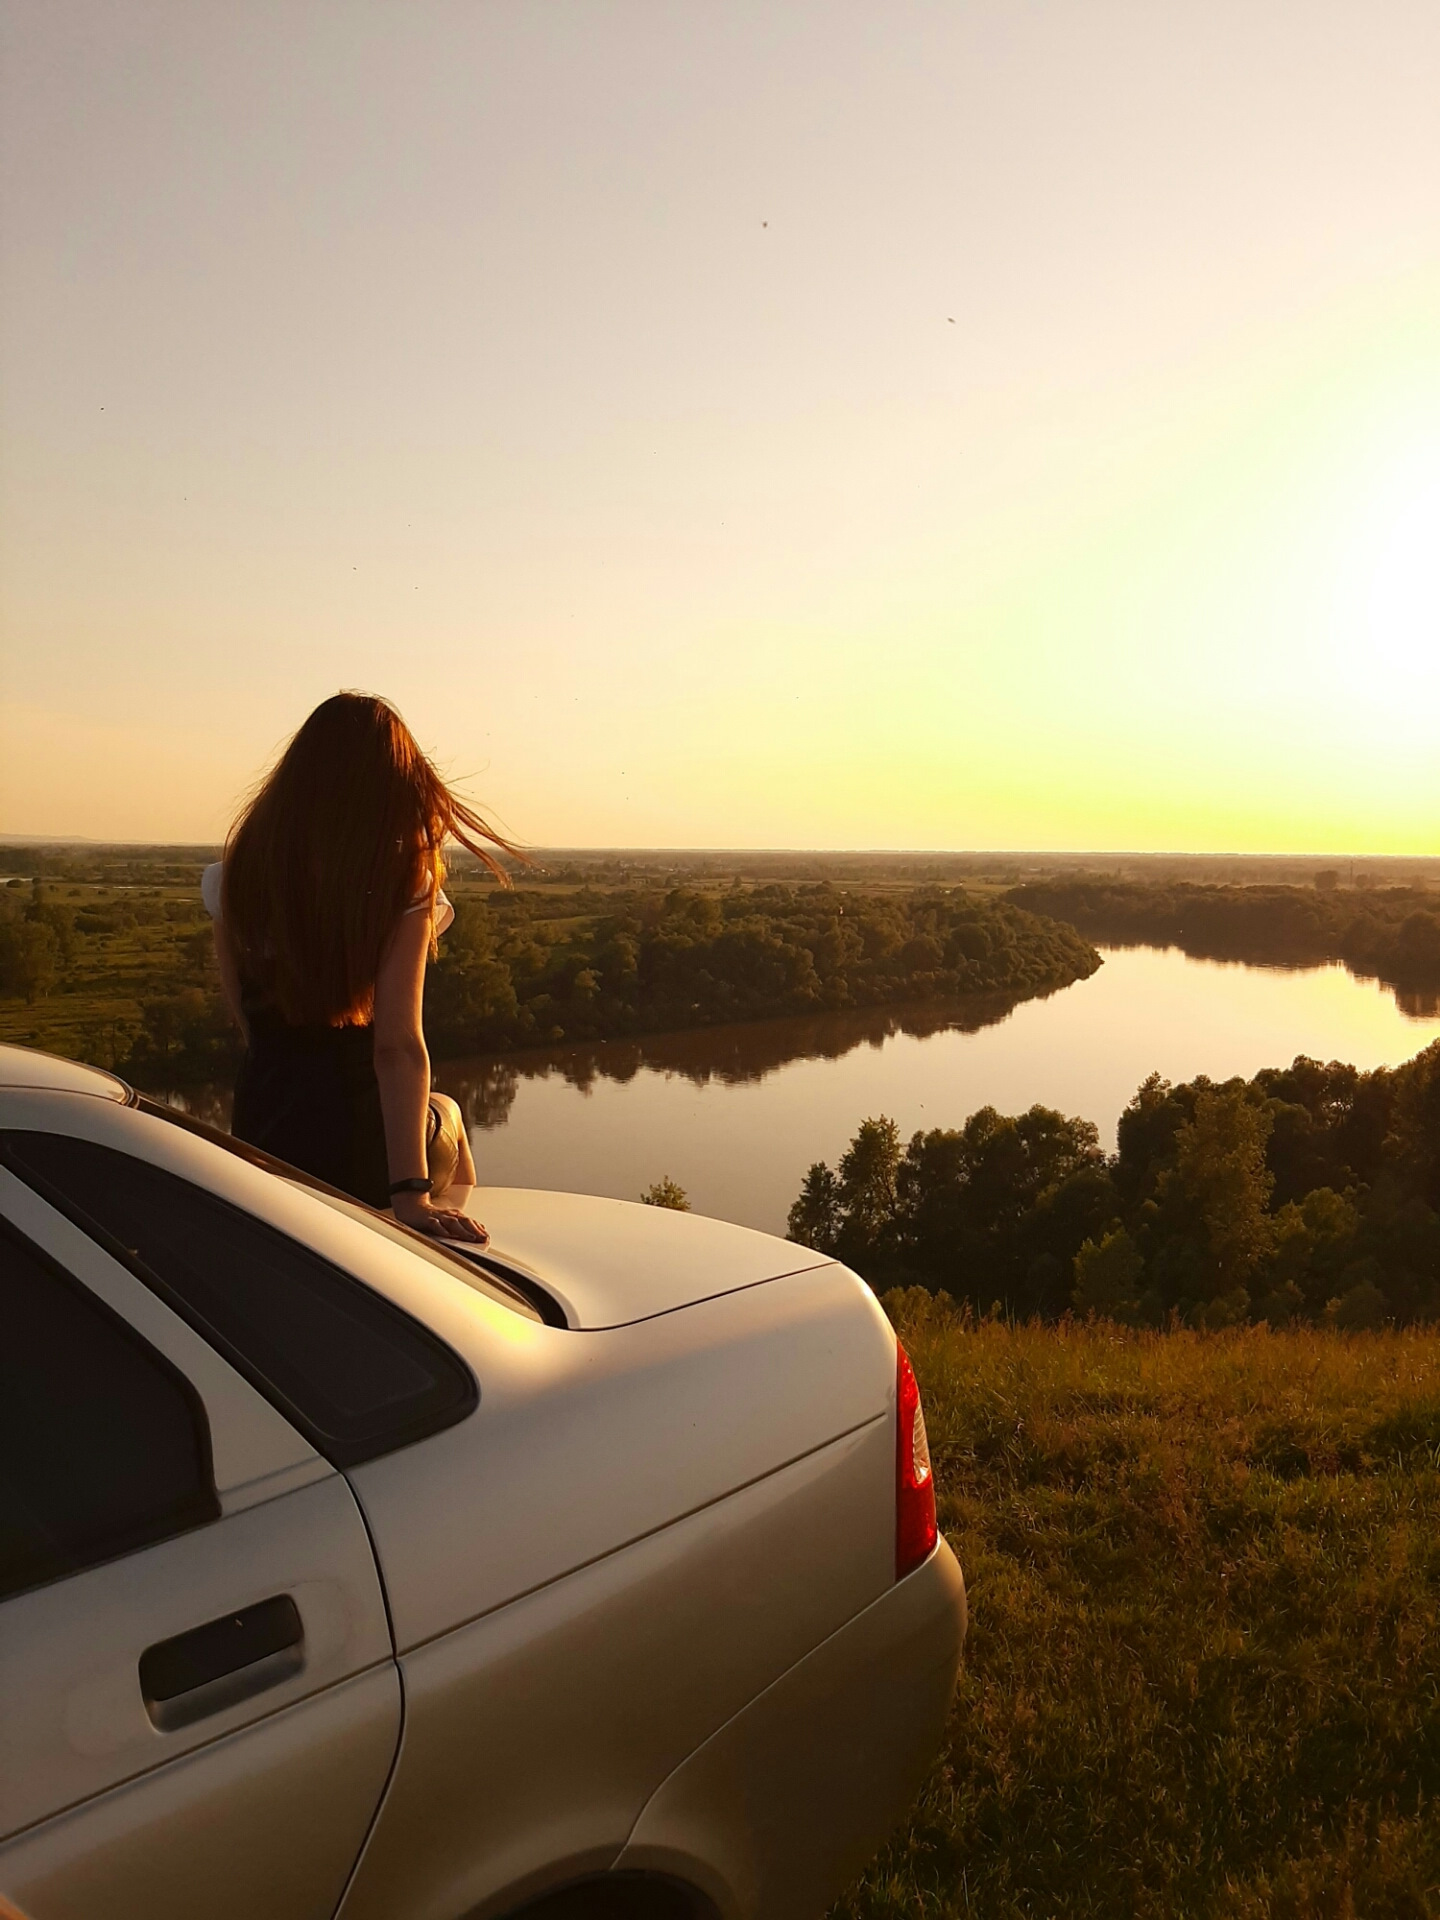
402, 1067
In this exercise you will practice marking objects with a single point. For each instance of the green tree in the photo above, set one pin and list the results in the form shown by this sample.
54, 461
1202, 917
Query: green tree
1314, 1240
29, 958
44, 912
1359, 1308
666, 1193
1220, 1181
470, 997
816, 1218
1001, 1204
1107, 1277
867, 1171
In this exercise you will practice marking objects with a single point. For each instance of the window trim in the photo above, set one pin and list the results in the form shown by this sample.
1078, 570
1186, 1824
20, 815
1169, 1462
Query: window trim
338, 1452
204, 1510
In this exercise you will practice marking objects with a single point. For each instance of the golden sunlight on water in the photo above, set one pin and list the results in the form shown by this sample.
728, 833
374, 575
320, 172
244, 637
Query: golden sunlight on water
736, 1115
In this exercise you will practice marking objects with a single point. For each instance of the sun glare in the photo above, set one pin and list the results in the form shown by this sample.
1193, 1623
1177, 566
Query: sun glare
1399, 574
1404, 605
1375, 650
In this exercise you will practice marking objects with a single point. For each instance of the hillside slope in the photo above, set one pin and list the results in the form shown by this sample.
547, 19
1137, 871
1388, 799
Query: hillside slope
1204, 1578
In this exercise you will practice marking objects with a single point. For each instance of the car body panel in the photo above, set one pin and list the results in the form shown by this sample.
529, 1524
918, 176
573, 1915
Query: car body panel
19, 1067
774, 1813
584, 1442
659, 1645
610, 1262
266, 1824
69, 1651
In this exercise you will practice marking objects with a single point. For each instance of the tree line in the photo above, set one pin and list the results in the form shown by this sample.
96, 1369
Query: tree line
1309, 1194
1390, 934
646, 962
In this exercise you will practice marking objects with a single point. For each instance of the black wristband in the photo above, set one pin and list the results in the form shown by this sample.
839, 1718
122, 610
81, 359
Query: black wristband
412, 1186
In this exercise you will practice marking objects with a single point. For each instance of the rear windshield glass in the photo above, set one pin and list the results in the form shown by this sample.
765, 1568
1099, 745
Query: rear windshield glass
454, 1264
354, 1373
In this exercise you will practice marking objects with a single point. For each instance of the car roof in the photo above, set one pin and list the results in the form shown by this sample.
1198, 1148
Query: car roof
24, 1067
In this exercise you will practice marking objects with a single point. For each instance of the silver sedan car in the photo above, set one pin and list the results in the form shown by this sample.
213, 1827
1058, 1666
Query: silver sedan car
345, 1574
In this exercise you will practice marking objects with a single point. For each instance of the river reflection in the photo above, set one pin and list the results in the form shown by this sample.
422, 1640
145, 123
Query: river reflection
486, 1086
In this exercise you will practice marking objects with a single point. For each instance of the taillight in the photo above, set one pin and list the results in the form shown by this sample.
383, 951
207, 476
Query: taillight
914, 1482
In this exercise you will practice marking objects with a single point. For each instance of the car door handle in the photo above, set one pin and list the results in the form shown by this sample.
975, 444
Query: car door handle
221, 1663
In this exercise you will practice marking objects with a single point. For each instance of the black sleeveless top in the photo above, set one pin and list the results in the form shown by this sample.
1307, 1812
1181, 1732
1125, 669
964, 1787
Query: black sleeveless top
309, 1095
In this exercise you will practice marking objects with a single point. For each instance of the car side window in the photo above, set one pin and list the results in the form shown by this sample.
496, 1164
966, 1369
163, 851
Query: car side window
104, 1446
354, 1373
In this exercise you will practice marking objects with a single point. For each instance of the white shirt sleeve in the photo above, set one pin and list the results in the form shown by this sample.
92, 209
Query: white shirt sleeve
444, 912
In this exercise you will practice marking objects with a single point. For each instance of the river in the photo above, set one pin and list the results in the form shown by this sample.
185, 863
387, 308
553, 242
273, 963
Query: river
737, 1114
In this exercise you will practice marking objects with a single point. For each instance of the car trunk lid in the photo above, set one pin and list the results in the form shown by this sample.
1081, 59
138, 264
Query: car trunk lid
609, 1263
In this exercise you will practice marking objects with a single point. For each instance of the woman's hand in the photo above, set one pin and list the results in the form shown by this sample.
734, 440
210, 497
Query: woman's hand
419, 1211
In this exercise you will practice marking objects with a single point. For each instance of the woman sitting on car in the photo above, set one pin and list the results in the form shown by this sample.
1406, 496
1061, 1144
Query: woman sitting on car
326, 908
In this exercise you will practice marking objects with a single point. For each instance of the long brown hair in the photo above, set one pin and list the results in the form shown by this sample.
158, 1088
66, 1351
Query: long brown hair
344, 834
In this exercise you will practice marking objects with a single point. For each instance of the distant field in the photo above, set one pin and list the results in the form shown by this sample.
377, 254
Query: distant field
1203, 1672
123, 944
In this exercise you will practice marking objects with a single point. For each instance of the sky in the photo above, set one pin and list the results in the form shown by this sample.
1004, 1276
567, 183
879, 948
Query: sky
992, 424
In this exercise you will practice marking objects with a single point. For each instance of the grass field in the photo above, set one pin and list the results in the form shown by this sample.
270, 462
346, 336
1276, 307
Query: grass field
1203, 1671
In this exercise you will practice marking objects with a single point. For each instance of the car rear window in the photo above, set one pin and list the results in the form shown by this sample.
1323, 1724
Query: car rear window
354, 1373
454, 1258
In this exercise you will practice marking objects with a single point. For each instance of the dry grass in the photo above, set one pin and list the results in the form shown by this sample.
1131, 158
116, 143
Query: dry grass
1203, 1673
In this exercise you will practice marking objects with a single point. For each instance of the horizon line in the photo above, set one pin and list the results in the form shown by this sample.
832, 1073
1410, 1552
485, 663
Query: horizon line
718, 850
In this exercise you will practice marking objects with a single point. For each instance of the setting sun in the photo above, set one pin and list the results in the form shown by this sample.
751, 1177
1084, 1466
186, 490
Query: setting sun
1402, 568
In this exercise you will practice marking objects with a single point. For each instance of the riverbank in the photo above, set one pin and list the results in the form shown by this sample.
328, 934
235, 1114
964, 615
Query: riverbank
1390, 934
515, 972
1205, 1626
